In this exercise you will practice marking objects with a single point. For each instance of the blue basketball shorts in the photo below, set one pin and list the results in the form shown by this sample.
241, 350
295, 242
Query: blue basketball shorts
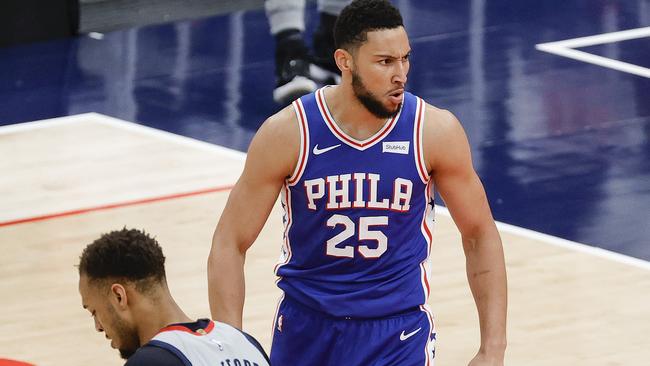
302, 337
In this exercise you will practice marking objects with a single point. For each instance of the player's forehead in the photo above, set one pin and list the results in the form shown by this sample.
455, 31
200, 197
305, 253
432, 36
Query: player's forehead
88, 291
392, 42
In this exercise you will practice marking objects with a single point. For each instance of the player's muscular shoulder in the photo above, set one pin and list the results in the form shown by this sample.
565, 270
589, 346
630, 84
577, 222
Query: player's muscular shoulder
282, 127
278, 139
442, 134
439, 122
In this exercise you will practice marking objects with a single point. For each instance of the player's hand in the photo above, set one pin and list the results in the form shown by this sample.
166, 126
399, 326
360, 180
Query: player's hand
484, 359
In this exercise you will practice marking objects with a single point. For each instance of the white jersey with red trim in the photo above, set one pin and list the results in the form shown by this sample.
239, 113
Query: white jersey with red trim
219, 344
358, 215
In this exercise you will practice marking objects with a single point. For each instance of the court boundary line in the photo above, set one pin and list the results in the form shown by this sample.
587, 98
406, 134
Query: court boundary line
134, 127
125, 125
566, 48
43, 123
109, 206
564, 243
131, 127
164, 135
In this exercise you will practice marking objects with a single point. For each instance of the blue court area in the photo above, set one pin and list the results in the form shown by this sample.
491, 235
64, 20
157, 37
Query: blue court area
562, 145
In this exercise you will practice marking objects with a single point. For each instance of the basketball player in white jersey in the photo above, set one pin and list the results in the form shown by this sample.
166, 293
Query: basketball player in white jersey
122, 284
356, 166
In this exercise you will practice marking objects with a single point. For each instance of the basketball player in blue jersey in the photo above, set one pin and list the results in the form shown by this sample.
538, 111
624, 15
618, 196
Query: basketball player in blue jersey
122, 284
355, 166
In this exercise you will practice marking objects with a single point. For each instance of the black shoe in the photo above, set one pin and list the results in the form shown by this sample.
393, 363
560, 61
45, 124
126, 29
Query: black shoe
323, 75
323, 68
291, 68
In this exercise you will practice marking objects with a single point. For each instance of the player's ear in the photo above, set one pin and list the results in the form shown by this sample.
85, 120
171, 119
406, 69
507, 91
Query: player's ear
118, 295
343, 59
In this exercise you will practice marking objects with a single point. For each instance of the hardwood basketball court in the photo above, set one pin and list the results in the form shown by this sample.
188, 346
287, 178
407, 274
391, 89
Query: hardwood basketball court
68, 180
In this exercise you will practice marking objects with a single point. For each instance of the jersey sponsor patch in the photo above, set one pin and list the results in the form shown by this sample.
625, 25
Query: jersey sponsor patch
396, 147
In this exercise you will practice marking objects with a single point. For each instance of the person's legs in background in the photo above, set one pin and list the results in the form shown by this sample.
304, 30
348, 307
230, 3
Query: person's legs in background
297, 72
287, 21
324, 69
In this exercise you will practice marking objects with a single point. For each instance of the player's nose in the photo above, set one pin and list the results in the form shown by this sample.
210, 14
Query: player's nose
400, 72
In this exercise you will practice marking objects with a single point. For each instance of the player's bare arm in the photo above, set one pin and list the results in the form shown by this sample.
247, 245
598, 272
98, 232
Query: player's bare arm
449, 161
271, 157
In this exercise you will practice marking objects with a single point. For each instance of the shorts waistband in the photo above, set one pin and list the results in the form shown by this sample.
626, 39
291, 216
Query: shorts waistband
295, 303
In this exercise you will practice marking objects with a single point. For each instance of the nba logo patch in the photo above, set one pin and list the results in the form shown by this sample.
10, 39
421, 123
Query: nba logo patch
280, 318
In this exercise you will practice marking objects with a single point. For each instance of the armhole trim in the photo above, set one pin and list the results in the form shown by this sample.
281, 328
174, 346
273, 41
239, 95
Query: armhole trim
256, 344
172, 349
418, 131
304, 143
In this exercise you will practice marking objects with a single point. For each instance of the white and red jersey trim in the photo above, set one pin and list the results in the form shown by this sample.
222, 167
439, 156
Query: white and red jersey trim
429, 346
183, 328
303, 155
418, 131
426, 227
345, 138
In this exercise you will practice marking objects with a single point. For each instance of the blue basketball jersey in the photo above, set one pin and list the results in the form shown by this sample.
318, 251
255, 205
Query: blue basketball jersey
358, 215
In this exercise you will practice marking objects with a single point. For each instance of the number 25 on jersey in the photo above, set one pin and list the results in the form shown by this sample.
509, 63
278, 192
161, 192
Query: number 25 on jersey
367, 231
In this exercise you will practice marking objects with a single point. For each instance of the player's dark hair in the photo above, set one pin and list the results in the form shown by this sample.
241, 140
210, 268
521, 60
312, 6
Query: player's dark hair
363, 16
126, 254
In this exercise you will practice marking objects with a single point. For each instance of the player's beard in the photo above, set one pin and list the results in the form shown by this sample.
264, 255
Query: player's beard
369, 100
125, 334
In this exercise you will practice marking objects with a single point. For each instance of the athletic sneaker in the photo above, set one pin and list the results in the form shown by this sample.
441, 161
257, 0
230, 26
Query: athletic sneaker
323, 75
323, 69
291, 68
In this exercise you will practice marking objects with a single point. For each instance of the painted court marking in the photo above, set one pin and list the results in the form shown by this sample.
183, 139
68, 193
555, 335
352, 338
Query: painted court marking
114, 205
125, 125
563, 243
575, 246
128, 197
8, 362
567, 47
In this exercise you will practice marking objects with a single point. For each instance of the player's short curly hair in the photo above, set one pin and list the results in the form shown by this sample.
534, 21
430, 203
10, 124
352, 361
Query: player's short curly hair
361, 17
127, 254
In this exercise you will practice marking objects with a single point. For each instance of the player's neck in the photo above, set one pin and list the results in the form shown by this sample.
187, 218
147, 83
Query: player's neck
349, 114
159, 314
